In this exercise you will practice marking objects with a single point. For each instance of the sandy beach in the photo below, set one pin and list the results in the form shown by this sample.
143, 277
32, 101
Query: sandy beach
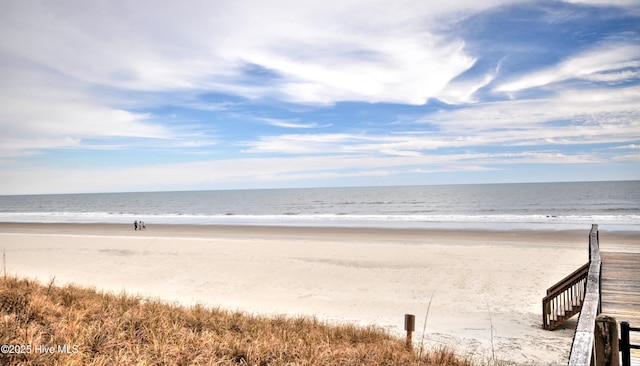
484, 286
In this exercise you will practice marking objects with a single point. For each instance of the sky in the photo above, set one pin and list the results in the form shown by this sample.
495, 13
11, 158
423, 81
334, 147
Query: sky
112, 96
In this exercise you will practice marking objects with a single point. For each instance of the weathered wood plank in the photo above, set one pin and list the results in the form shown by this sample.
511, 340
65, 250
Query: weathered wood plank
621, 301
621, 285
621, 290
612, 283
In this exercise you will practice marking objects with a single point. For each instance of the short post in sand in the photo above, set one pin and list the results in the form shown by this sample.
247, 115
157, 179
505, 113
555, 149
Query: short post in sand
409, 326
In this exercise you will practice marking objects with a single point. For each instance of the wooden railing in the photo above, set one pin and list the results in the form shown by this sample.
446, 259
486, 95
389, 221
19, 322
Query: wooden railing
583, 339
564, 299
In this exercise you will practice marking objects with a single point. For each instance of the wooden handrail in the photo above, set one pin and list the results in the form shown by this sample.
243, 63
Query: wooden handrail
583, 339
564, 299
566, 282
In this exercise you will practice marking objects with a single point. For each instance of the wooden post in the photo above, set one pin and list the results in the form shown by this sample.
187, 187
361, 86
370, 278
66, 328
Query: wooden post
607, 352
409, 326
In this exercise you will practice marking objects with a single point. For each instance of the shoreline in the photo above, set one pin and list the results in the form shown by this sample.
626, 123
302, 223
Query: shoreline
193, 230
346, 223
483, 284
612, 239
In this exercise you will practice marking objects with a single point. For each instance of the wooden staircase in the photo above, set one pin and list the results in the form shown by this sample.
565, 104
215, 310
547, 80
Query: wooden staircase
564, 299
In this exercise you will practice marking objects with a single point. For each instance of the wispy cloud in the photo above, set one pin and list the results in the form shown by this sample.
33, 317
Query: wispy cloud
462, 92
297, 91
568, 118
629, 4
231, 172
610, 62
628, 147
314, 52
290, 123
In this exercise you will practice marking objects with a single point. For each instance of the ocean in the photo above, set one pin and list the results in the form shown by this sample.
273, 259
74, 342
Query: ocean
556, 206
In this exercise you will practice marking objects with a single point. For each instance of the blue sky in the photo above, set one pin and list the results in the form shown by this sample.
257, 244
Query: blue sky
144, 95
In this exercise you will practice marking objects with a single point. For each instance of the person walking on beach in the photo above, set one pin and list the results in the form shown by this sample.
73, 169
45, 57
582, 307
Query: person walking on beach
142, 225
135, 225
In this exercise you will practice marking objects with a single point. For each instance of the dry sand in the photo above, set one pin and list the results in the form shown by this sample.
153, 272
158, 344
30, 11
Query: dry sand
476, 280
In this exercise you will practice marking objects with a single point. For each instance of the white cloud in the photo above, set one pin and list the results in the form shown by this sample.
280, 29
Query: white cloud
288, 170
571, 117
321, 52
627, 147
583, 107
614, 77
289, 123
462, 92
76, 70
609, 62
630, 4
628, 157
304, 143
47, 120
408, 70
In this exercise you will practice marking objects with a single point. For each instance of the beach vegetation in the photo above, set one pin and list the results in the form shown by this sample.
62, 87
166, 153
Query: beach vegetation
71, 325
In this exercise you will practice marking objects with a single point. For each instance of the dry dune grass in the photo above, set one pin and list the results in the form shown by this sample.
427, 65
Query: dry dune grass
104, 329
